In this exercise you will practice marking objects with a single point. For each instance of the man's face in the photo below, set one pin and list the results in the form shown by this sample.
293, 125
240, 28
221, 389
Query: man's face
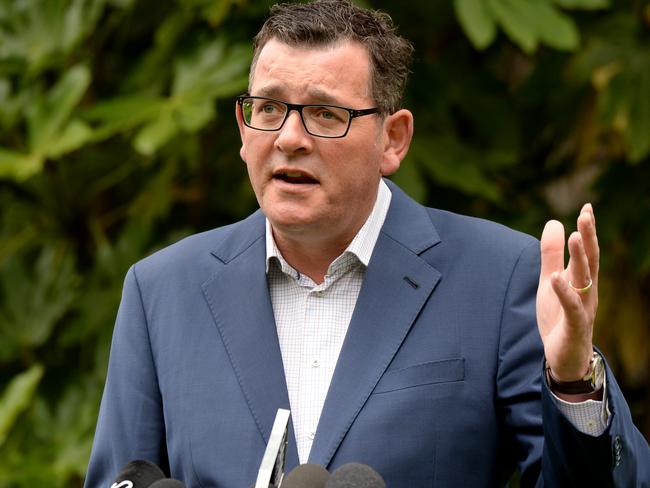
310, 186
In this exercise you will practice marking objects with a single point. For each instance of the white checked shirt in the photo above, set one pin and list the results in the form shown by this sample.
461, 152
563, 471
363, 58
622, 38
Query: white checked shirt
312, 321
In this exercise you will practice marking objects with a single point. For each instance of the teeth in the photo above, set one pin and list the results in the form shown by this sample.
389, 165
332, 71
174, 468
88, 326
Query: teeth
293, 174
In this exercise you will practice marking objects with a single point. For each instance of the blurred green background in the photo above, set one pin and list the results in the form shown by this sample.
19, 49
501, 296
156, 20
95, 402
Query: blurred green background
117, 137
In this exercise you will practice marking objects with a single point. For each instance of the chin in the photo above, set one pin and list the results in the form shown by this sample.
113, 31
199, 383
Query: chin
297, 223
288, 223
289, 213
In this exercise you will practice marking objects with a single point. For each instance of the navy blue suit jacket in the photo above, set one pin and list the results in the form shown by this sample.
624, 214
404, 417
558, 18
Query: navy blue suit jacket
439, 381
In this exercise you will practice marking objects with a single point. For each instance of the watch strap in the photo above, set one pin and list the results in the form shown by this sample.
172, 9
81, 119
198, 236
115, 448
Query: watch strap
590, 383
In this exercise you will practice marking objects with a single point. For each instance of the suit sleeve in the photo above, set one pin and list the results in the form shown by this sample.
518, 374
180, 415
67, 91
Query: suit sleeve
619, 457
130, 424
518, 380
547, 448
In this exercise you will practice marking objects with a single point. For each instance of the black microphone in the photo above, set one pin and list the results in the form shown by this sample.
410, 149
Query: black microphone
354, 475
167, 483
306, 476
138, 474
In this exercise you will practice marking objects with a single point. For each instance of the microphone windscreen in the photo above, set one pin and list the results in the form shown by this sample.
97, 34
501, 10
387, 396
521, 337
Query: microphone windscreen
140, 473
306, 476
354, 475
167, 483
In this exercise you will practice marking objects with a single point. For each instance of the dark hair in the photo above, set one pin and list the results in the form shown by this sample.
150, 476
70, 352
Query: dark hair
327, 22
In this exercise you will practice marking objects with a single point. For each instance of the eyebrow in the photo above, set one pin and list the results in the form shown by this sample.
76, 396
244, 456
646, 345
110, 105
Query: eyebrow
315, 95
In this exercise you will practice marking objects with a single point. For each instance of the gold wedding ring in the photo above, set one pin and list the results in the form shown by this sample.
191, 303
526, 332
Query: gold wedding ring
583, 290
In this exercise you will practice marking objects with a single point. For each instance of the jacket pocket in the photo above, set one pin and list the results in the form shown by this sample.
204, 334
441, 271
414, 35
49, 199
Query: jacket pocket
443, 371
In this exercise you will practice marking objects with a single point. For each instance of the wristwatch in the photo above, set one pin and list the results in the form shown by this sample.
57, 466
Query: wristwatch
590, 383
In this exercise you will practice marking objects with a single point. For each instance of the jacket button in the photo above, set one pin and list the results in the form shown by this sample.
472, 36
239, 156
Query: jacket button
617, 451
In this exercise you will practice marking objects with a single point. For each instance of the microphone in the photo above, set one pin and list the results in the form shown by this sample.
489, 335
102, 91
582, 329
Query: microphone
138, 474
306, 476
354, 475
167, 483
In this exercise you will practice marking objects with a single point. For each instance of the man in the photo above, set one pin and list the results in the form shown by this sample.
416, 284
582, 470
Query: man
400, 337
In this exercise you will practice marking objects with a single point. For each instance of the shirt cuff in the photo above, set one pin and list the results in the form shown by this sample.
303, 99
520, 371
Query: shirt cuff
589, 417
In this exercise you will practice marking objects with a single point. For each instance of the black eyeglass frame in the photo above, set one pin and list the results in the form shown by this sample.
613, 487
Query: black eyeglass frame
298, 107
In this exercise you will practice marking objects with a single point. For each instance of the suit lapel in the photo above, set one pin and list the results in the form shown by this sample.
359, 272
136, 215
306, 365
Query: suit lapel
396, 286
239, 300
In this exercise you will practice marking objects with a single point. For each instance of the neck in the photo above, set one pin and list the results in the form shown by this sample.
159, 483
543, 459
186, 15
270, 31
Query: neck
311, 257
311, 249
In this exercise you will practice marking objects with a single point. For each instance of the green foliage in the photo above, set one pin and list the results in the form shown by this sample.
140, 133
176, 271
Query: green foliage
47, 291
36, 35
50, 132
17, 397
477, 20
527, 24
117, 137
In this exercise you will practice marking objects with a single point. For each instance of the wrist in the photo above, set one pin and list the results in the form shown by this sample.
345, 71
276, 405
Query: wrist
589, 384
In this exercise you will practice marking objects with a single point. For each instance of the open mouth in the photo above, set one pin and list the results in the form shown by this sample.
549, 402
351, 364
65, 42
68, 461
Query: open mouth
295, 177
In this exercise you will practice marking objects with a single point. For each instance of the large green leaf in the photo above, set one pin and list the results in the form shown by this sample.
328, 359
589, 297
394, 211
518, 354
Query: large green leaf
39, 32
194, 116
452, 164
10, 105
156, 133
532, 22
50, 131
122, 113
203, 73
50, 446
49, 114
17, 166
73, 136
35, 295
518, 21
477, 22
213, 70
79, 19
16, 398
168, 35
555, 29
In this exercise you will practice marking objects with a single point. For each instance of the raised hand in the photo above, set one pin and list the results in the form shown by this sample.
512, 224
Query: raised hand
567, 298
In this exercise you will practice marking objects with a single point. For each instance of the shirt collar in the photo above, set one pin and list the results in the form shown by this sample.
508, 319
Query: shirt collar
361, 246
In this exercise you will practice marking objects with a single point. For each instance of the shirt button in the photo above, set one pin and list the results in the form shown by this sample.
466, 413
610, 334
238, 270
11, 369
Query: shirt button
315, 363
311, 436
319, 294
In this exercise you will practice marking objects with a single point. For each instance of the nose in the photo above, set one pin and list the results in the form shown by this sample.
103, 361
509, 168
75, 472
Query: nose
293, 137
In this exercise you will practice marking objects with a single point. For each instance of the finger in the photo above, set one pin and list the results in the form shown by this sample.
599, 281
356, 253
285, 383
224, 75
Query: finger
570, 302
579, 273
552, 248
587, 229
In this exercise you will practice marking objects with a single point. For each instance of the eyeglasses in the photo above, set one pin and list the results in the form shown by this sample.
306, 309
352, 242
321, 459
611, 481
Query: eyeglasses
329, 121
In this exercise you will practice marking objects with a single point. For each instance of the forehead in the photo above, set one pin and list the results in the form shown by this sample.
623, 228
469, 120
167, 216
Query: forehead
334, 73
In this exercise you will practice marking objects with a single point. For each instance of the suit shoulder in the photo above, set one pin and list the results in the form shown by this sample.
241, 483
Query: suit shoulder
473, 231
193, 252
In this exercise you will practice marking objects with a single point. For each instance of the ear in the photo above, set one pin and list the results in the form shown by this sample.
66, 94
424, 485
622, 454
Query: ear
398, 132
240, 124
